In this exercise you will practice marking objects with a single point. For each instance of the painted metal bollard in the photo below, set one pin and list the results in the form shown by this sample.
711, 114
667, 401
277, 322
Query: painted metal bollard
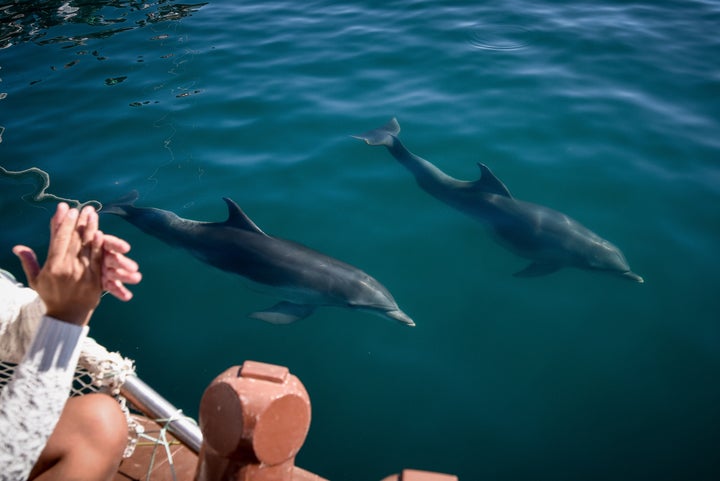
254, 419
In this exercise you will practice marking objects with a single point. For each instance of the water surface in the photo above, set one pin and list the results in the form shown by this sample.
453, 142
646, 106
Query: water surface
606, 111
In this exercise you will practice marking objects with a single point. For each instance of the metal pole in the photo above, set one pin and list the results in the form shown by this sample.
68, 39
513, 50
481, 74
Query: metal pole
155, 407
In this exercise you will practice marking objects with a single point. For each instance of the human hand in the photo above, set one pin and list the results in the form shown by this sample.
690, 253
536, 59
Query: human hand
70, 281
117, 268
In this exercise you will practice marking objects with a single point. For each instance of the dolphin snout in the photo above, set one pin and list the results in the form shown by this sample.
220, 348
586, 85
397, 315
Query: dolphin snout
632, 276
400, 316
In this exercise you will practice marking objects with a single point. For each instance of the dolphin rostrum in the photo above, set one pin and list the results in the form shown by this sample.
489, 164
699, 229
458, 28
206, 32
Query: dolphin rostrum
303, 278
550, 239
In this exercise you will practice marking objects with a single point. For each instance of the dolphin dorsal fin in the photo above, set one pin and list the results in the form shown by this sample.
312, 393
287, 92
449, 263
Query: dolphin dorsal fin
238, 218
489, 183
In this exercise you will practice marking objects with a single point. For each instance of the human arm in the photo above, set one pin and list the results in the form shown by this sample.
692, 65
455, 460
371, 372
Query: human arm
32, 402
70, 284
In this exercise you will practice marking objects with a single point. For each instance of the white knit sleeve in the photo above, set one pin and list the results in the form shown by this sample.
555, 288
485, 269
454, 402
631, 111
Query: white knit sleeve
31, 403
20, 312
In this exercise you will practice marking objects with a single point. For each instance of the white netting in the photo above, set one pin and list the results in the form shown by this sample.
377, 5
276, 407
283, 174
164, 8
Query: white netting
98, 369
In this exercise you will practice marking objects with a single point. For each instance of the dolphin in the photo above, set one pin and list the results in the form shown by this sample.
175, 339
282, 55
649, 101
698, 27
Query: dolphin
303, 278
549, 239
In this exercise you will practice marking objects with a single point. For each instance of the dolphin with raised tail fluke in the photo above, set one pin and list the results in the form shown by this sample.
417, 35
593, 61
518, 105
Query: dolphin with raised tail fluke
550, 239
303, 278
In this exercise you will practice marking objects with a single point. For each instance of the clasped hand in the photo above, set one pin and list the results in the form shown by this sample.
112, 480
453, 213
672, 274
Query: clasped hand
82, 261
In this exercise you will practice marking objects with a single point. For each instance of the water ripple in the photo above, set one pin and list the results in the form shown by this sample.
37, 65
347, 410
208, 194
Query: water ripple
33, 21
499, 37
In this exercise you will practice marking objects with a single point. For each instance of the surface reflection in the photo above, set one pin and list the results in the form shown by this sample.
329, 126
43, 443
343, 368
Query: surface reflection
32, 21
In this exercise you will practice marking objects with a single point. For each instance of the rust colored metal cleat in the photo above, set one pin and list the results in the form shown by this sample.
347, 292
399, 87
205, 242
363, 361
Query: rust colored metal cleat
254, 420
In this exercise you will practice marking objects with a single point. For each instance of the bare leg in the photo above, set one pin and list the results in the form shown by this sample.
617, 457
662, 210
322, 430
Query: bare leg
87, 443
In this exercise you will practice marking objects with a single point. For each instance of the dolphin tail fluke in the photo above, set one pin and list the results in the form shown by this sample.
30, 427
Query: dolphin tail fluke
284, 313
117, 207
383, 135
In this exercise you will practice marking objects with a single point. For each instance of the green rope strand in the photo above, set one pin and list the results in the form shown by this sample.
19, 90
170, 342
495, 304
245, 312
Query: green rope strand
41, 194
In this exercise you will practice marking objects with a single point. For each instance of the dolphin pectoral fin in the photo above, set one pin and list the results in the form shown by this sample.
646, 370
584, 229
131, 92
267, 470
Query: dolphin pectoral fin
537, 269
381, 136
284, 313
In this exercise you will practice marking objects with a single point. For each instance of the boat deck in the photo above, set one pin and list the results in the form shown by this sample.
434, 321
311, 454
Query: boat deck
150, 460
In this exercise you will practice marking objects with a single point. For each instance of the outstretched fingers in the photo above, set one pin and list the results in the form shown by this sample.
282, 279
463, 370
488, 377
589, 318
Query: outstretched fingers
117, 289
118, 269
119, 262
87, 225
57, 218
62, 237
115, 244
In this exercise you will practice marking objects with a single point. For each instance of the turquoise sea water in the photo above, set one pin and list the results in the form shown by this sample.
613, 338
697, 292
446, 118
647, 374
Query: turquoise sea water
608, 111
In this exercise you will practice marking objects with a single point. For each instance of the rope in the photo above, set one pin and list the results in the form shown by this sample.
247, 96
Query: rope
162, 440
41, 194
